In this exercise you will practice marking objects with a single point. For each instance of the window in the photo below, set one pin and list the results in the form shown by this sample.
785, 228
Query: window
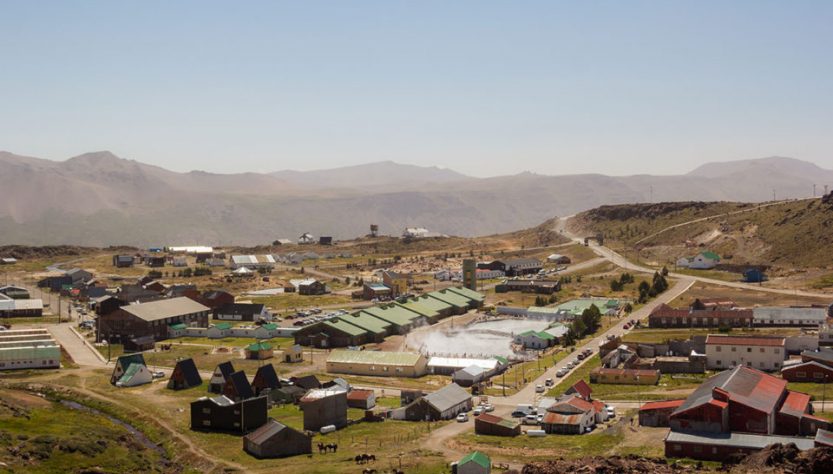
206, 411
749, 349
801, 375
777, 350
677, 447
719, 362
762, 350
734, 349
718, 349
714, 450
698, 449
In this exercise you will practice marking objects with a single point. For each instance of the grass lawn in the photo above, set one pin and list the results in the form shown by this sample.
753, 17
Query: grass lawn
295, 301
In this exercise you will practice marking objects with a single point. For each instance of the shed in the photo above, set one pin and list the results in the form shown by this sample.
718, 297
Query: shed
276, 440
237, 387
488, 424
474, 463
471, 375
265, 379
657, 413
362, 399
122, 364
259, 351
218, 378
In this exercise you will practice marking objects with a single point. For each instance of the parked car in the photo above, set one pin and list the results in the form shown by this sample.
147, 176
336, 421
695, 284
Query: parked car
549, 382
611, 411
531, 419
561, 373
539, 388
488, 408
477, 411
158, 374
462, 417
581, 356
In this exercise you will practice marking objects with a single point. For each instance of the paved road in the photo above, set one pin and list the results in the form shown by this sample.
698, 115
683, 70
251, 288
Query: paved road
76, 346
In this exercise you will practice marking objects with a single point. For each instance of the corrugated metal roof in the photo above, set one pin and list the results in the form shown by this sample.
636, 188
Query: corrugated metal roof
319, 393
367, 321
496, 420
451, 298
739, 440
824, 437
394, 314
344, 326
421, 308
447, 397
558, 419
407, 359
744, 385
166, 308
432, 303
795, 404
780, 313
262, 434
661, 405
467, 293
478, 458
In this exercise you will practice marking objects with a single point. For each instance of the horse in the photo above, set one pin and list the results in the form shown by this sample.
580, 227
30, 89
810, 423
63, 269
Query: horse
333, 447
321, 448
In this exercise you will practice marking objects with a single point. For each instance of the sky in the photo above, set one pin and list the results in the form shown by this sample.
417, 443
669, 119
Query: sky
483, 87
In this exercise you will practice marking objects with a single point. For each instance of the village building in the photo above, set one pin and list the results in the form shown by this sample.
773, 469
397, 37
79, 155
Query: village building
377, 363
571, 415
150, 319
223, 414
761, 352
266, 380
28, 349
307, 382
712, 304
130, 370
541, 287
746, 400
185, 375
20, 308
15, 292
474, 463
376, 291
824, 439
444, 404
824, 355
559, 259
252, 262
657, 414
488, 424
324, 407
792, 316
218, 379
812, 372
335, 332
376, 329
361, 399
471, 375
293, 354
581, 390
535, 339
242, 312
514, 267
448, 365
458, 299
276, 440
721, 447
259, 351
603, 375
396, 281
664, 316
237, 387
309, 286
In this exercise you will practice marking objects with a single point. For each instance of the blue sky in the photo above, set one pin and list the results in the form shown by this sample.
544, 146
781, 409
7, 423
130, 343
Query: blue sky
483, 87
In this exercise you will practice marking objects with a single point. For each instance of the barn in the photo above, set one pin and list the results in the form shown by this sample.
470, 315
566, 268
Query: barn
324, 407
808, 372
362, 399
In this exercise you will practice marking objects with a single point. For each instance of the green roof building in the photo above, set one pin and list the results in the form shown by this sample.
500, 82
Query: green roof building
454, 299
368, 322
472, 295
402, 319
474, 463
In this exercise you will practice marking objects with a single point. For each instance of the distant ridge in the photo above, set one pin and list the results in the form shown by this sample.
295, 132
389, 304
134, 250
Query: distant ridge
100, 199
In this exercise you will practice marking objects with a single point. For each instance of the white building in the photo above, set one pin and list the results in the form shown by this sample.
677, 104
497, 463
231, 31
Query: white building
775, 316
28, 349
759, 352
702, 261
192, 249
252, 262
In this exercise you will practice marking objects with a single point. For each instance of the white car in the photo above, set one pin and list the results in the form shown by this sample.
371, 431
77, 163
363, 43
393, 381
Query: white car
462, 418
531, 419
611, 412
488, 408
478, 411
539, 388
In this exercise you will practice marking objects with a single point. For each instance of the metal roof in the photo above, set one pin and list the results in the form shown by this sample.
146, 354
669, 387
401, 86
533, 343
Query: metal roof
447, 397
558, 419
343, 326
454, 299
366, 321
319, 393
744, 385
738, 440
776, 313
496, 420
422, 308
431, 303
467, 293
166, 308
394, 314
824, 437
745, 340
478, 458
271, 428
374, 357
660, 405
460, 363
795, 404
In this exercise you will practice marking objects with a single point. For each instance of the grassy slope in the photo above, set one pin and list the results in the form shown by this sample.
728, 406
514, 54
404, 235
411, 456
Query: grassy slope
787, 234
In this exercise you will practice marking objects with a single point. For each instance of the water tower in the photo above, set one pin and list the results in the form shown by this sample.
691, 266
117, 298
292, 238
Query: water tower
374, 230
470, 274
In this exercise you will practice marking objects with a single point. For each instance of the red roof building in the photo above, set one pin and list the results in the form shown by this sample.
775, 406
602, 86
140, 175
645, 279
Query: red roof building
664, 316
362, 399
657, 413
581, 389
746, 400
808, 372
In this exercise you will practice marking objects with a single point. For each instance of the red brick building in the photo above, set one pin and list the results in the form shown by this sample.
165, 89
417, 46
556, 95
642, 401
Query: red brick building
808, 372
658, 413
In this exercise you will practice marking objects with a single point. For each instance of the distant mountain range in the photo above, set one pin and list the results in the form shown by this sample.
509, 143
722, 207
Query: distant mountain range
101, 199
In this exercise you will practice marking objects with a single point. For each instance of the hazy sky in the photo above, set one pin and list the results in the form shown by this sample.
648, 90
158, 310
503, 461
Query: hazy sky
483, 87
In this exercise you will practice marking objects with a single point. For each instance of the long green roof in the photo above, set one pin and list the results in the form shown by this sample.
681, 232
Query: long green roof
451, 298
468, 293
367, 321
432, 303
420, 308
476, 457
259, 346
344, 326
374, 357
394, 314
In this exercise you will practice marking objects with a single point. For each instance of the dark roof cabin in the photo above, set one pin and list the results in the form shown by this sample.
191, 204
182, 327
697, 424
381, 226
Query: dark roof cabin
185, 375
238, 387
122, 364
265, 378
307, 382
218, 378
222, 414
